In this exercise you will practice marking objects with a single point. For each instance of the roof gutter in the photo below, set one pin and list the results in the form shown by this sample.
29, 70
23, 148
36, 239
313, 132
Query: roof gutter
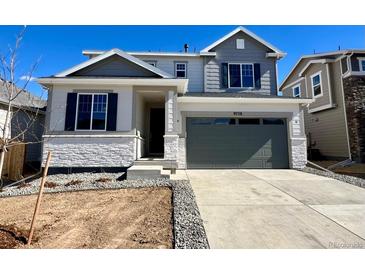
181, 84
220, 100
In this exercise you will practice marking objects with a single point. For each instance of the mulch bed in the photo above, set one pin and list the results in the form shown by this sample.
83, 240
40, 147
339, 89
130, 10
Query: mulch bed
12, 237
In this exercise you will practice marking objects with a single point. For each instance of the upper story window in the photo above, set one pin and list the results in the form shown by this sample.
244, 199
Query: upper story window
362, 64
240, 43
91, 111
152, 63
316, 85
180, 70
241, 75
296, 91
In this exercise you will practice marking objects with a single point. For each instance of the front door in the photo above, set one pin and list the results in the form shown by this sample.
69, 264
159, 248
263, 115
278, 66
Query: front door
157, 131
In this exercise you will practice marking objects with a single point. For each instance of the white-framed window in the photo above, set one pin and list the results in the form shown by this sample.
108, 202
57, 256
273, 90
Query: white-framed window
316, 82
296, 91
180, 70
152, 63
240, 75
91, 111
361, 63
240, 43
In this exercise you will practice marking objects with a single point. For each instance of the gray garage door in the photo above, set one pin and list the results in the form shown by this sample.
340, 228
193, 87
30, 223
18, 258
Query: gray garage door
237, 143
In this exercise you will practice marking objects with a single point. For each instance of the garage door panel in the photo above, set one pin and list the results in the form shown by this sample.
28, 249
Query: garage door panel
236, 146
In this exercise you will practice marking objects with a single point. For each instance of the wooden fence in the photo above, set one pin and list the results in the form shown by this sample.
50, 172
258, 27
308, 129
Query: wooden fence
14, 162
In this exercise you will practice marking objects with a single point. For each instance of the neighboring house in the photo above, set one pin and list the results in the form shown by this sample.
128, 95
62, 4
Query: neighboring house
335, 121
27, 112
217, 108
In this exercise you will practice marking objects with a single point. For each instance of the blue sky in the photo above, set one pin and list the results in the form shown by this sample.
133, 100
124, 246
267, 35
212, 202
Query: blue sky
59, 47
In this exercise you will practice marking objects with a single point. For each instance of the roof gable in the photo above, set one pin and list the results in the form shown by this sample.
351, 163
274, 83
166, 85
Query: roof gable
115, 56
247, 32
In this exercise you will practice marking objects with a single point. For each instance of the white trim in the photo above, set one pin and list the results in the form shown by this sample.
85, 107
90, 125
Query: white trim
354, 73
92, 110
90, 136
110, 53
319, 61
345, 115
300, 90
344, 52
152, 53
293, 83
180, 83
242, 87
324, 107
249, 33
235, 100
329, 83
320, 84
361, 59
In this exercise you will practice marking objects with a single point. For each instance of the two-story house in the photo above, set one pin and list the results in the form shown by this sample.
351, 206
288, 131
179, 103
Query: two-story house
335, 121
217, 108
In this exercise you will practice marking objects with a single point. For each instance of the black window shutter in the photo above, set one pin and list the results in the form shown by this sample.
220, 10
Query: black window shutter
70, 111
257, 72
224, 72
111, 124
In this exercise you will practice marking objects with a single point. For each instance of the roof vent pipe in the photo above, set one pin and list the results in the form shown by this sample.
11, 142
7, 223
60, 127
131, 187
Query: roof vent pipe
186, 48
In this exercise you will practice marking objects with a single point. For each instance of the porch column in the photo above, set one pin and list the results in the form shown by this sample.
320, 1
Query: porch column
171, 139
297, 140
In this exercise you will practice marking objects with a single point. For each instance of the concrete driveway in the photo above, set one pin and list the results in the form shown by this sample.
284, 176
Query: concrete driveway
278, 209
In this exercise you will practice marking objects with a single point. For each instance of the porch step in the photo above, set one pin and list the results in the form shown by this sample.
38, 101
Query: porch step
155, 162
147, 172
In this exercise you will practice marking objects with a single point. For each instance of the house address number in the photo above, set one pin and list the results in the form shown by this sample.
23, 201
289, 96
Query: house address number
237, 113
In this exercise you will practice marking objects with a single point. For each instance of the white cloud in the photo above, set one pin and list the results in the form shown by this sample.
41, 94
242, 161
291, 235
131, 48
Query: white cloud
27, 78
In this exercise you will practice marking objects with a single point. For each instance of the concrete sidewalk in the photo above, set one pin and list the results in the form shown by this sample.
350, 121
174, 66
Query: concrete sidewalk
278, 209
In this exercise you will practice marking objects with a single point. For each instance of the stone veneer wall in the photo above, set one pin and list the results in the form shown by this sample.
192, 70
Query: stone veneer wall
354, 92
181, 155
298, 152
90, 151
171, 147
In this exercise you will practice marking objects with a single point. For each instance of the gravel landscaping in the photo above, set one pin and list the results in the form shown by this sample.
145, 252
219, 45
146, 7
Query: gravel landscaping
188, 226
344, 178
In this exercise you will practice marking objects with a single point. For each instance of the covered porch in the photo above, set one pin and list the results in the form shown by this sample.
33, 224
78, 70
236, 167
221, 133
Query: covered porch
155, 120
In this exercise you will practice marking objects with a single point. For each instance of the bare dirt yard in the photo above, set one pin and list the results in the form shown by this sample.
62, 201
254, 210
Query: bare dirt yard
123, 218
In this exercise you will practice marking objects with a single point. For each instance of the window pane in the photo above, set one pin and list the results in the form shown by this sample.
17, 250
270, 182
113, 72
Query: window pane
316, 80
247, 75
317, 90
180, 73
296, 92
272, 121
234, 75
99, 111
250, 121
363, 65
180, 66
202, 121
224, 121
84, 111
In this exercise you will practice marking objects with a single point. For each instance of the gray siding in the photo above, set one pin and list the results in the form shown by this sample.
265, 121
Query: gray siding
327, 129
325, 99
115, 66
254, 52
194, 68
